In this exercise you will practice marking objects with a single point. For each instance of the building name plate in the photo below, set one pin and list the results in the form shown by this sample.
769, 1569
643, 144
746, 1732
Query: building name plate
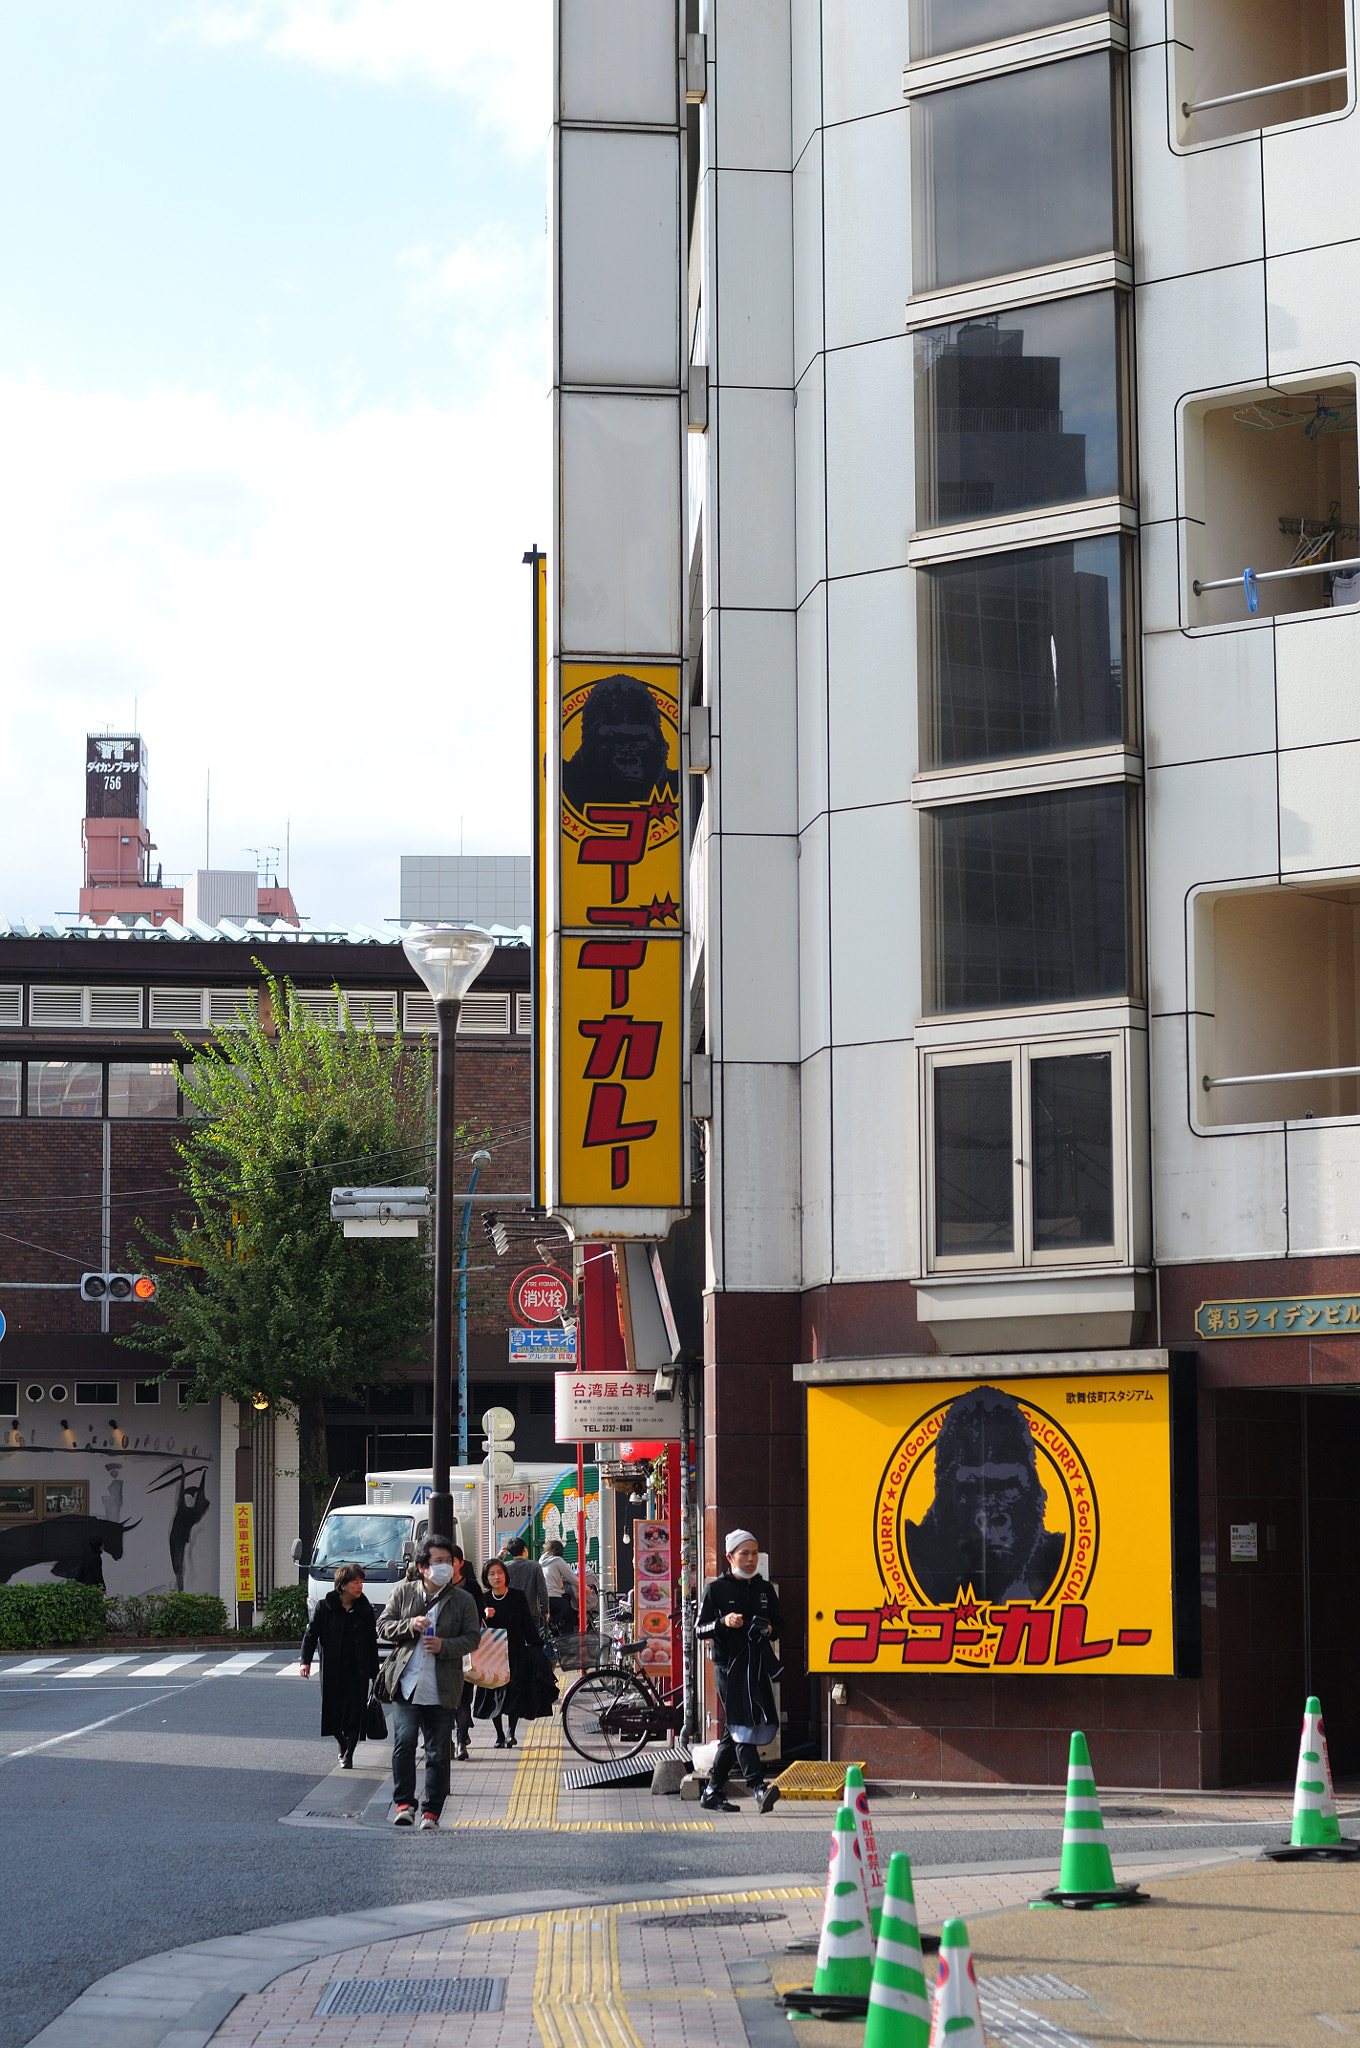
1293, 1315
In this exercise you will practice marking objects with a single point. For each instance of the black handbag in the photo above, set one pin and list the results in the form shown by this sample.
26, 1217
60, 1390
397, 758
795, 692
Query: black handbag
375, 1720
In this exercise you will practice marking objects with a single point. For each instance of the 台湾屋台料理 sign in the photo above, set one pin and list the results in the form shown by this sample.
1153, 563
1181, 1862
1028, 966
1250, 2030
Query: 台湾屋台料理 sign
589, 1407
965, 1526
543, 1347
1294, 1315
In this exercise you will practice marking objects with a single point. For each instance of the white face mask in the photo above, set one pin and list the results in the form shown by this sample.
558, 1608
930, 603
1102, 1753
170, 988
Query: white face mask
440, 1574
744, 1571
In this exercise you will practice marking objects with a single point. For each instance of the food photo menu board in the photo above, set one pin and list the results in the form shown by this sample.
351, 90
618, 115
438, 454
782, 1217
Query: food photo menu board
653, 1598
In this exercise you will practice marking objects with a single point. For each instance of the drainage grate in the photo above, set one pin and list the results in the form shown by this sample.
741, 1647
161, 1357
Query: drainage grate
1033, 1984
721, 1916
349, 1996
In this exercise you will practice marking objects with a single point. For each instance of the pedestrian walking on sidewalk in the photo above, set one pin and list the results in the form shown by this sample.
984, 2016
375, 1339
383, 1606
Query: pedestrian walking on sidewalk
740, 1616
90, 1570
345, 1629
504, 1606
564, 1600
466, 1577
527, 1578
433, 1623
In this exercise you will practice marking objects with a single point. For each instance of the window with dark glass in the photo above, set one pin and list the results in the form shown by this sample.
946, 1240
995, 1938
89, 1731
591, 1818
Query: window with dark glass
1072, 1140
940, 26
11, 1087
974, 1181
65, 1088
1028, 900
1022, 653
1017, 172
1019, 410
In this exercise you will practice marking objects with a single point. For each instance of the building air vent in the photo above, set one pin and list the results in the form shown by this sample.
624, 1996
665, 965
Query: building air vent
321, 1003
179, 1009
56, 1006
114, 1007
374, 1008
233, 1007
482, 1016
11, 1006
524, 1013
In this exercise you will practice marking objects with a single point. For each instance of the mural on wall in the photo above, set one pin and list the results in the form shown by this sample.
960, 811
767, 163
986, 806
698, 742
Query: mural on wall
145, 1493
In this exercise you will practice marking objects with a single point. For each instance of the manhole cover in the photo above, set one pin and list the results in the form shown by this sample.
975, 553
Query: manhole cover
1136, 1812
354, 1995
720, 1916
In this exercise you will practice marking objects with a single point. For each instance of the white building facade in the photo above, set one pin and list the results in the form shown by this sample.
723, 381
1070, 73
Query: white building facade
1025, 868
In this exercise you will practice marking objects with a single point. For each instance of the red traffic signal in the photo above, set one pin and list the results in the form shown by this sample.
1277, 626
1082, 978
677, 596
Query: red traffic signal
117, 1287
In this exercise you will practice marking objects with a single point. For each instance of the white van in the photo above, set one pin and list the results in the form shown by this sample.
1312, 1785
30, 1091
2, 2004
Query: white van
379, 1537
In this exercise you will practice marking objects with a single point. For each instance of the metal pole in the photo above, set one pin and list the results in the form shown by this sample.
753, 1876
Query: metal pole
441, 1500
462, 1317
1259, 92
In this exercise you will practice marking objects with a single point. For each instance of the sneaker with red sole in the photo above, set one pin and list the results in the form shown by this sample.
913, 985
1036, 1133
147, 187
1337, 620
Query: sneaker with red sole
428, 1819
404, 1817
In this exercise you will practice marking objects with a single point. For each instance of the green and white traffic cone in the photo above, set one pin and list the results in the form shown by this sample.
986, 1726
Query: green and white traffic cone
1315, 1822
1086, 1865
899, 2011
956, 2021
857, 1798
845, 1953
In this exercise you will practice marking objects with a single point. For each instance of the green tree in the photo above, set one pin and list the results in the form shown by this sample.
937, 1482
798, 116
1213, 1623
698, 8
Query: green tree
260, 1293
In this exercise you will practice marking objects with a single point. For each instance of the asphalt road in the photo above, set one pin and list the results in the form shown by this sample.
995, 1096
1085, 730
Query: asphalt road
161, 1826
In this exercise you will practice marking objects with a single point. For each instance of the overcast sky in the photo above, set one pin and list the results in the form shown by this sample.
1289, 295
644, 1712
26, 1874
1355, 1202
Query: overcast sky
273, 427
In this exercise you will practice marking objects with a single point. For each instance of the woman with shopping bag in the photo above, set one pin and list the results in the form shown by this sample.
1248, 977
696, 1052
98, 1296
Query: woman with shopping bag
505, 1615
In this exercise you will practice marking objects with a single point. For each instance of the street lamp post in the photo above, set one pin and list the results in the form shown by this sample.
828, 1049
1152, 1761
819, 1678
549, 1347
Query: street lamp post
479, 1160
448, 958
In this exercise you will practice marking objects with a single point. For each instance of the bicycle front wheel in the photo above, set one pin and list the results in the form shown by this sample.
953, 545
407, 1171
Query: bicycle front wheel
606, 1716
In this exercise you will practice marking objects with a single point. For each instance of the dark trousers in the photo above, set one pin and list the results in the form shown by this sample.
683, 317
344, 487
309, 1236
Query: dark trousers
562, 1609
732, 1752
436, 1725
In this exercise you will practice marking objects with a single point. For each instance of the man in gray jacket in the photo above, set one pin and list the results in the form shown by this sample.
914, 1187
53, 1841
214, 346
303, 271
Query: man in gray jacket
434, 1623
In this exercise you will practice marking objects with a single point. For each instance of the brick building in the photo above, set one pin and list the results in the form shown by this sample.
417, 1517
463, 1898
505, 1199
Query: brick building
93, 1023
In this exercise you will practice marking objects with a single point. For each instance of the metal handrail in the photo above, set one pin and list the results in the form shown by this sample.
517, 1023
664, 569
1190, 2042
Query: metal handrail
1251, 577
1258, 1080
1258, 92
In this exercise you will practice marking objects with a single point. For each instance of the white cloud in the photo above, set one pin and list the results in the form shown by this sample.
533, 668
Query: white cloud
497, 58
334, 619
488, 293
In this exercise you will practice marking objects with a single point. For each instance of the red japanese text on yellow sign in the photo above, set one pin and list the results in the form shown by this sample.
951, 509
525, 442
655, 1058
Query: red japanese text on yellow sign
620, 843
245, 1551
621, 1131
1019, 1526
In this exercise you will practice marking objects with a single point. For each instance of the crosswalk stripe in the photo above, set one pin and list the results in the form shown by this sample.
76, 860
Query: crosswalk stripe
289, 1670
99, 1664
163, 1664
244, 1660
35, 1664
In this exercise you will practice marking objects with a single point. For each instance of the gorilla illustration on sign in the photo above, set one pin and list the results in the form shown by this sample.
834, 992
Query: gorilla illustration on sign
984, 1527
622, 757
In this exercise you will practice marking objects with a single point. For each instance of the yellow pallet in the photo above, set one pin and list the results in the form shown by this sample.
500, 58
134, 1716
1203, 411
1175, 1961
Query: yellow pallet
813, 1781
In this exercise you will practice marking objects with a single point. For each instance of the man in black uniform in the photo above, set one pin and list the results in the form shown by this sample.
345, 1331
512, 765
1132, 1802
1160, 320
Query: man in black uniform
740, 1616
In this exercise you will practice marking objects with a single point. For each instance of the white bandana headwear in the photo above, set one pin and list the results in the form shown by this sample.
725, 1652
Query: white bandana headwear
736, 1536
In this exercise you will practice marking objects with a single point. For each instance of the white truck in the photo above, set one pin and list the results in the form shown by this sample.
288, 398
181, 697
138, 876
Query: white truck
384, 1533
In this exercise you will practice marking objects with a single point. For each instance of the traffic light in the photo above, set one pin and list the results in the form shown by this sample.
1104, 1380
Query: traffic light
496, 1232
117, 1287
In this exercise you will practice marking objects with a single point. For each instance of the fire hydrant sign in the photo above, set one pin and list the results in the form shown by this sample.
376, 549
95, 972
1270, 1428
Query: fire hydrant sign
245, 1552
539, 1295
591, 1406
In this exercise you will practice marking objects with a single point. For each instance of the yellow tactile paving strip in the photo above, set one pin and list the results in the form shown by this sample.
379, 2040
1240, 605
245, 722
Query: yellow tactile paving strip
533, 1801
579, 1998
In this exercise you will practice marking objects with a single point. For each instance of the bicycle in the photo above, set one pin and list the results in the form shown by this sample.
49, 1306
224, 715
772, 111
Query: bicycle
613, 1711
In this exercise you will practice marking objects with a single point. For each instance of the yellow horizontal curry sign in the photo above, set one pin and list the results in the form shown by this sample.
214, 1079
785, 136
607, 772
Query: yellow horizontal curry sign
1017, 1526
621, 1130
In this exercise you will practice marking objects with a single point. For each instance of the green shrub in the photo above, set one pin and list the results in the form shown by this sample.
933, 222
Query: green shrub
285, 1611
187, 1614
31, 1617
127, 1614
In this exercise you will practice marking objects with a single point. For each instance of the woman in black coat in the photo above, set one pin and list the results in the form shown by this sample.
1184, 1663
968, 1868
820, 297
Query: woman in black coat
346, 1629
504, 1606
465, 1576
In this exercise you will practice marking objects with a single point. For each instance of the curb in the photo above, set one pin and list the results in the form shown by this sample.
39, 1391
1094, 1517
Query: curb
179, 1998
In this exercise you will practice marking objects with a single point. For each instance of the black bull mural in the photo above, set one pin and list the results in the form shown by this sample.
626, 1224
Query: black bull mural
64, 1541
